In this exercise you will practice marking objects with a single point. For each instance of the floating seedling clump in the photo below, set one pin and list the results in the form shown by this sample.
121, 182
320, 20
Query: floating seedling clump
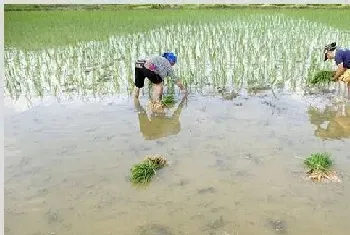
322, 77
319, 167
143, 172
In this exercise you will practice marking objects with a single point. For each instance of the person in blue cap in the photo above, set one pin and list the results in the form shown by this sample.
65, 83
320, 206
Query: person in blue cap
156, 69
342, 60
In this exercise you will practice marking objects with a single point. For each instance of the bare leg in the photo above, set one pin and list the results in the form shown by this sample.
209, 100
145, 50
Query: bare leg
182, 87
158, 91
137, 92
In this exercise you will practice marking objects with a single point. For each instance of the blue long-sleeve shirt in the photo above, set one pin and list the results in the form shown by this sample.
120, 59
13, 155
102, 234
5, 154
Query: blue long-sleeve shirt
342, 55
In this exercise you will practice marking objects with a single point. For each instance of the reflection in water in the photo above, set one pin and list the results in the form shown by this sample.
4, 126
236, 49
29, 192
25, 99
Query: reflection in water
158, 124
331, 123
225, 160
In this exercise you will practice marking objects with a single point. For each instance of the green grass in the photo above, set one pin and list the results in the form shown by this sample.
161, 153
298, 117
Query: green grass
40, 29
49, 7
318, 162
321, 77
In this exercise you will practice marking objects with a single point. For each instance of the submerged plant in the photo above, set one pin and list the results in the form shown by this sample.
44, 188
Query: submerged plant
321, 77
319, 167
143, 172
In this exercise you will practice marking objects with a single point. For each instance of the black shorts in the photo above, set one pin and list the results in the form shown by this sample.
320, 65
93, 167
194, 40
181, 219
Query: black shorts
141, 73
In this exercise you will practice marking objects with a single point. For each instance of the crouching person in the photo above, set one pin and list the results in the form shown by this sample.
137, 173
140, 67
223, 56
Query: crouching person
156, 69
342, 60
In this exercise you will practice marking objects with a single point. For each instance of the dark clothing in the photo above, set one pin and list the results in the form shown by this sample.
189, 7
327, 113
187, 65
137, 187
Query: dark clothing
141, 73
342, 56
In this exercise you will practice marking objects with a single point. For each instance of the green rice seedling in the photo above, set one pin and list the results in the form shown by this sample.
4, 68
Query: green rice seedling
142, 173
318, 161
203, 60
168, 100
321, 77
319, 167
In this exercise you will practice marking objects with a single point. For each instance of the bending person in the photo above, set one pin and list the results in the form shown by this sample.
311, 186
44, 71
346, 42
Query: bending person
156, 69
342, 60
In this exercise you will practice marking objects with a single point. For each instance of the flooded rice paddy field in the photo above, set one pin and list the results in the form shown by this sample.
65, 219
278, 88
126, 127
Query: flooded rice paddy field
67, 168
235, 161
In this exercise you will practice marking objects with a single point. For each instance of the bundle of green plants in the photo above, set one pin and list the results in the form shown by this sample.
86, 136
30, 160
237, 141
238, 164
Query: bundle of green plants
168, 100
319, 166
318, 162
322, 77
143, 172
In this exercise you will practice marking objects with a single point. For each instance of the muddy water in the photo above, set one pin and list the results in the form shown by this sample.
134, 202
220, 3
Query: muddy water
234, 167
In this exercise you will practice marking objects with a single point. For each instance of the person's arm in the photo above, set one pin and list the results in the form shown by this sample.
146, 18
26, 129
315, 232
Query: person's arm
340, 70
177, 80
181, 86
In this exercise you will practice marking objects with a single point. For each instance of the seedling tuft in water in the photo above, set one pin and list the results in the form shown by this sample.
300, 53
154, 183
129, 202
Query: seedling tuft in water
319, 167
142, 173
319, 161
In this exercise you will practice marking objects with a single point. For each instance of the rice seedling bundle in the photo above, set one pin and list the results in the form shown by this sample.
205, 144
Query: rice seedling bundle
143, 172
319, 167
322, 77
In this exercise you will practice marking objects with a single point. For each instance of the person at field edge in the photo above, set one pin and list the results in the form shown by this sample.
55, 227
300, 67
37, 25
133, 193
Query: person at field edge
342, 60
156, 69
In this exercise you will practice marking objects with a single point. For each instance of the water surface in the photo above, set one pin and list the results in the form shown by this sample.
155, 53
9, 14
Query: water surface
67, 167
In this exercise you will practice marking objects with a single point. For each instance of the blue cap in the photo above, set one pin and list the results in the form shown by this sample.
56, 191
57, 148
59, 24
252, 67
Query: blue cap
170, 56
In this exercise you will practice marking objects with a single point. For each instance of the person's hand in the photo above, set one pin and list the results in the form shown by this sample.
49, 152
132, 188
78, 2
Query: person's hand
336, 79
